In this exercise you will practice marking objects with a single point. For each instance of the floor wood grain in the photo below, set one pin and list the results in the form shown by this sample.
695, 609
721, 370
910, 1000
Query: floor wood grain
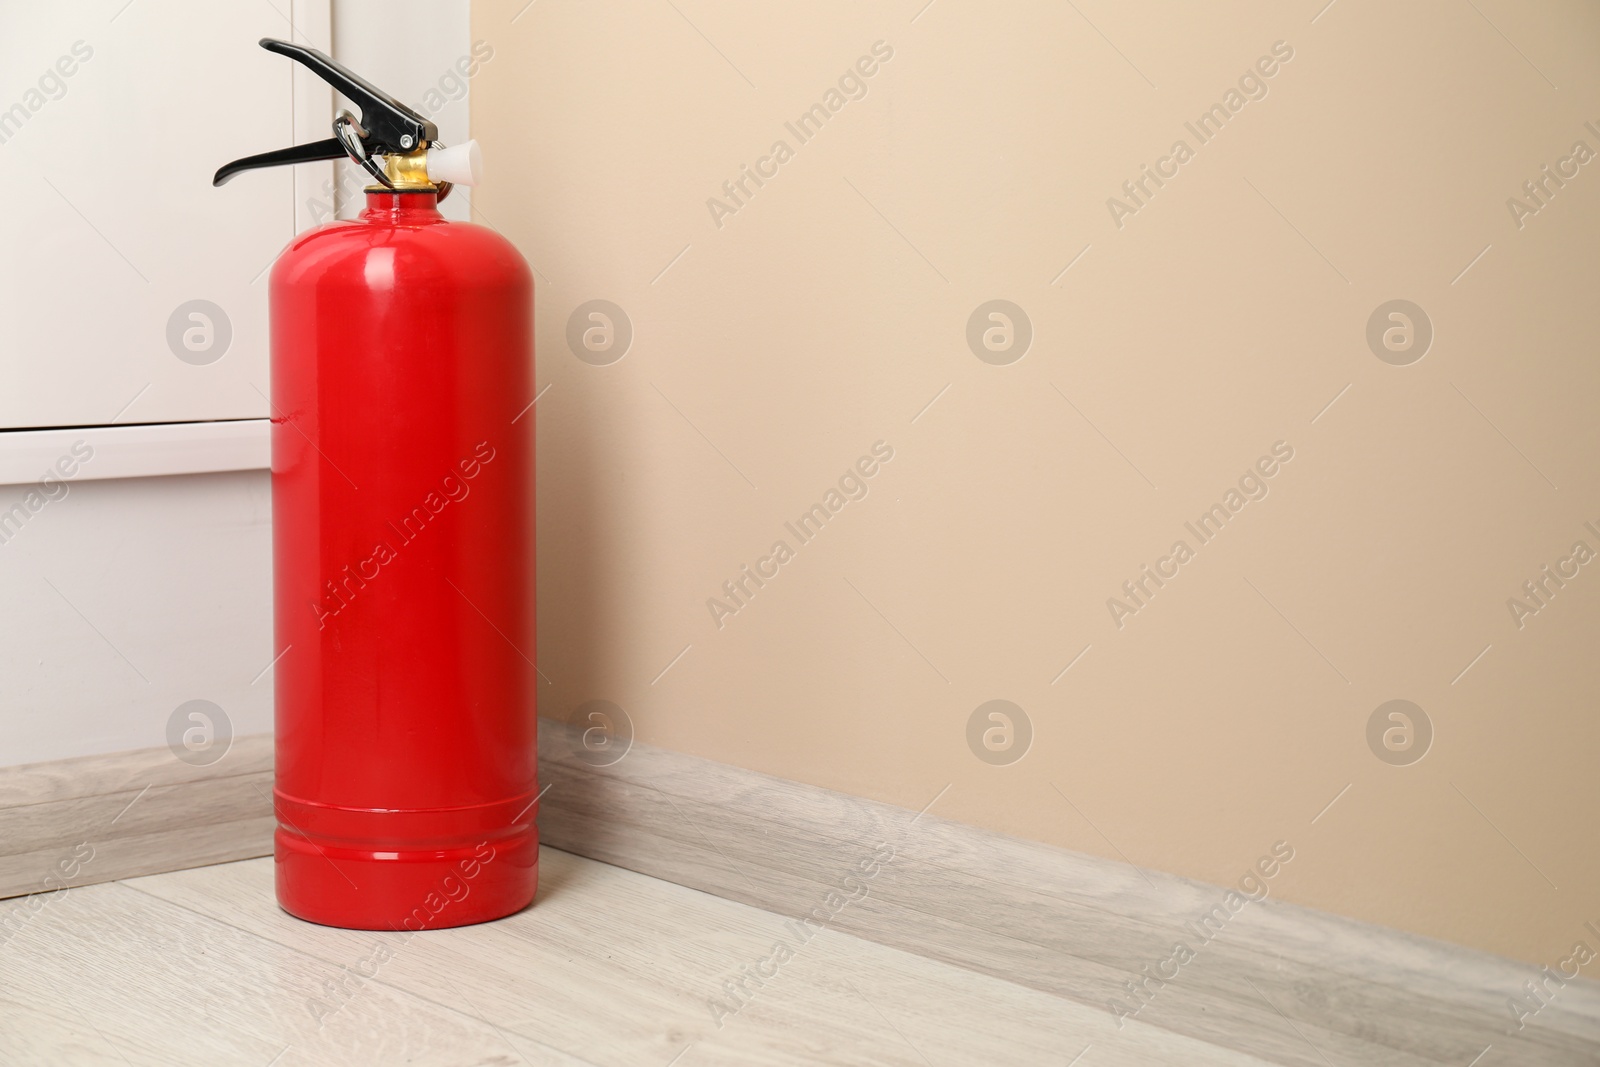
608, 967
1034, 947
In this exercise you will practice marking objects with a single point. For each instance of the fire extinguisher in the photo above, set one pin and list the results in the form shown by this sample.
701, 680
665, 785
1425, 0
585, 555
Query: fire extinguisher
402, 517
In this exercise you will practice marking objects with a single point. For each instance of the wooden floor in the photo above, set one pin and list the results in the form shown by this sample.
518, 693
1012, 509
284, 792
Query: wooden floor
609, 967
963, 947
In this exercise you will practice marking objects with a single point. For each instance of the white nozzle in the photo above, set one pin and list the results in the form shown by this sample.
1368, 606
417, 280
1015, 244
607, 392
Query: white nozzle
461, 165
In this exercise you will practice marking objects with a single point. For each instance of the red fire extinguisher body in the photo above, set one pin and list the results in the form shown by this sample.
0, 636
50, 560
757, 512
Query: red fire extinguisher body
402, 492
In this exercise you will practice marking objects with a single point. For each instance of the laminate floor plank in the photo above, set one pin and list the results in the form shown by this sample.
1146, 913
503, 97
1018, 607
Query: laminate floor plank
29, 1036
109, 968
621, 969
613, 968
644, 955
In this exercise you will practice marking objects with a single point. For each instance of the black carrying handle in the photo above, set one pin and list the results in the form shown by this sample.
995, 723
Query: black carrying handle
332, 148
387, 126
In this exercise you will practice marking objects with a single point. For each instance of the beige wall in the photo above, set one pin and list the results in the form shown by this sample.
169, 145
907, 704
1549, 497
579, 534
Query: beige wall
772, 351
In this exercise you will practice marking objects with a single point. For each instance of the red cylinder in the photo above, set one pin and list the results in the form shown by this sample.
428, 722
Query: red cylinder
402, 498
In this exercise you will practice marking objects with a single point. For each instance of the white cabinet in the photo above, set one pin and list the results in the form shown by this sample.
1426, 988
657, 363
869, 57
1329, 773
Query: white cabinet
113, 117
129, 593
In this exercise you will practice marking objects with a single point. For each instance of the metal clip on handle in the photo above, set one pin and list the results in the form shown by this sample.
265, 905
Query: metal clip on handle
348, 132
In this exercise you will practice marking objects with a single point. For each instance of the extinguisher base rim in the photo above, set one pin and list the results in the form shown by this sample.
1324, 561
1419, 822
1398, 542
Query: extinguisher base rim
405, 890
